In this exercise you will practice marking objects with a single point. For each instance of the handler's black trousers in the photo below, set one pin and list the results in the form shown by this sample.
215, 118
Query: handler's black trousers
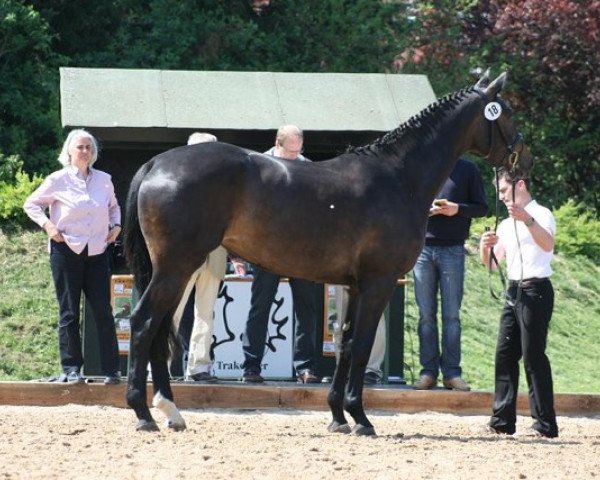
523, 333
73, 274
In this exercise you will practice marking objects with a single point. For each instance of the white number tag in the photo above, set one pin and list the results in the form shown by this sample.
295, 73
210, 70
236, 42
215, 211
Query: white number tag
492, 111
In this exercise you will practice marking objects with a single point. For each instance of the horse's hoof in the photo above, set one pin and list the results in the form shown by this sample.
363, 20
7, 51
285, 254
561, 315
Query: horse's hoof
362, 430
147, 426
335, 427
176, 427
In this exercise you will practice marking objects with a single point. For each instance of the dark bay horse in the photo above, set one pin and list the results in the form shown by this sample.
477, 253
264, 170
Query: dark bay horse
358, 219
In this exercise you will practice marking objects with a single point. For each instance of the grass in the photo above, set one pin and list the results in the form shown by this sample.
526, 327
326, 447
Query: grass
28, 318
28, 308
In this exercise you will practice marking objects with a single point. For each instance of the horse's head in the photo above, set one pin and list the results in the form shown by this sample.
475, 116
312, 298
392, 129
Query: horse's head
498, 138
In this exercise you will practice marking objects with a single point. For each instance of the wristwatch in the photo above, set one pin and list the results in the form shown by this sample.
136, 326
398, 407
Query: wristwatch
529, 222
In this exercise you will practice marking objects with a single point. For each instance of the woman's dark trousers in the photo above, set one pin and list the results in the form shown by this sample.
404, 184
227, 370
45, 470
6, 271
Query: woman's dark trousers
74, 274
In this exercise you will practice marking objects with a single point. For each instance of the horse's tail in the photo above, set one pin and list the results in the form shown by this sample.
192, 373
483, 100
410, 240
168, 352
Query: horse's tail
136, 251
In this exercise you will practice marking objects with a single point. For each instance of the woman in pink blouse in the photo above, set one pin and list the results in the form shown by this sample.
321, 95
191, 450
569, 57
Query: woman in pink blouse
84, 217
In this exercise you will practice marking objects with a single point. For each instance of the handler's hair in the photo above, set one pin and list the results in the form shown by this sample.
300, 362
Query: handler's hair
514, 177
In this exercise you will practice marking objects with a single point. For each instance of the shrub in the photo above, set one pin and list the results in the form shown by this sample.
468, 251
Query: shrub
577, 231
12, 196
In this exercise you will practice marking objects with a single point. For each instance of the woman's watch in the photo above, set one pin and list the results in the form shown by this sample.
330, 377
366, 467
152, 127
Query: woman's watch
529, 222
119, 225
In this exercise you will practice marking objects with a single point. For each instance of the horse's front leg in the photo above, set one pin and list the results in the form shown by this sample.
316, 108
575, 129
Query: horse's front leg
371, 301
335, 398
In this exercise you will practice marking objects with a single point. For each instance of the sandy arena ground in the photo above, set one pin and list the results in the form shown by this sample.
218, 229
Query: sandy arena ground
79, 442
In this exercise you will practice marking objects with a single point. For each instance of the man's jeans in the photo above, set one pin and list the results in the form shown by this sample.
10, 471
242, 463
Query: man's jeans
443, 269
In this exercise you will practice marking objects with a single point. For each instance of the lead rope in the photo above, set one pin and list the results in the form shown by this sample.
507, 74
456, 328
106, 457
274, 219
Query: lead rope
520, 284
493, 260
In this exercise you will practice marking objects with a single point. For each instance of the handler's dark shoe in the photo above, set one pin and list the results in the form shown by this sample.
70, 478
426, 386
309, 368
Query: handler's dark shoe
532, 432
488, 429
306, 376
202, 377
252, 377
372, 378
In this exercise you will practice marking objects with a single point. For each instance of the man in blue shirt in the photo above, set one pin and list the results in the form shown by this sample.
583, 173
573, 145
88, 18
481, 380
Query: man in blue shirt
441, 266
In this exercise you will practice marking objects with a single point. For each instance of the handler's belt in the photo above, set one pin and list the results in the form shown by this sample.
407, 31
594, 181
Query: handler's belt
528, 281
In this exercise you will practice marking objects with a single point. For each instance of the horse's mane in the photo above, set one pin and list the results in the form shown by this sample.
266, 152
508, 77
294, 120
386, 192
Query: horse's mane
416, 126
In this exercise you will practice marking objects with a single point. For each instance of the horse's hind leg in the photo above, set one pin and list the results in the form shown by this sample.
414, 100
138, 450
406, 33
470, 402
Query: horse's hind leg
141, 338
150, 324
163, 395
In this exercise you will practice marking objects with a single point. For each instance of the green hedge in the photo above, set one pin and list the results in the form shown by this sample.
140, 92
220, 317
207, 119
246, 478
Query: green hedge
577, 231
15, 187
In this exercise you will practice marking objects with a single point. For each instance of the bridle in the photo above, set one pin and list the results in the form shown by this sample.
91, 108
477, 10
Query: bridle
511, 147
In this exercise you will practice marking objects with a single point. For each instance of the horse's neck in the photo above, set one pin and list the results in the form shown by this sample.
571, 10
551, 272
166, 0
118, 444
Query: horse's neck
431, 158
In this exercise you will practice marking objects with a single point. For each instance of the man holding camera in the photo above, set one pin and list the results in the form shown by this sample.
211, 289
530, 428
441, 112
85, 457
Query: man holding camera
441, 266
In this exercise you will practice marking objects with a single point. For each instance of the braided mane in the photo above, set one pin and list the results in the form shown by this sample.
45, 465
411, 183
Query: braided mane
418, 125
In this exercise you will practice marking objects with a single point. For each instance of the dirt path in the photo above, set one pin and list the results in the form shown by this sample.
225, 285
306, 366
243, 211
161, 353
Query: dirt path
78, 442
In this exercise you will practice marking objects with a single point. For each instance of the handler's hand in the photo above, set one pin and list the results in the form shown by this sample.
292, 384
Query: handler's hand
517, 212
53, 232
489, 239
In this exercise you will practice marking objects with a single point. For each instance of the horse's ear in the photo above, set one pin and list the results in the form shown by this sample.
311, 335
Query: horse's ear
494, 88
484, 80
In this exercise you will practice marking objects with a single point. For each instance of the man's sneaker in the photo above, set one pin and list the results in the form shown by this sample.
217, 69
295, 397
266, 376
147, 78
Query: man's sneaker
252, 377
456, 383
74, 377
114, 379
372, 378
202, 377
426, 382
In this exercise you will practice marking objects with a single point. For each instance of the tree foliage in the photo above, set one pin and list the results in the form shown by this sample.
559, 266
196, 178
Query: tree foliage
28, 86
285, 35
550, 50
548, 47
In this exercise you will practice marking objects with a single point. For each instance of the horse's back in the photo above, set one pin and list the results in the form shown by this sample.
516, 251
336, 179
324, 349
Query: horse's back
279, 214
